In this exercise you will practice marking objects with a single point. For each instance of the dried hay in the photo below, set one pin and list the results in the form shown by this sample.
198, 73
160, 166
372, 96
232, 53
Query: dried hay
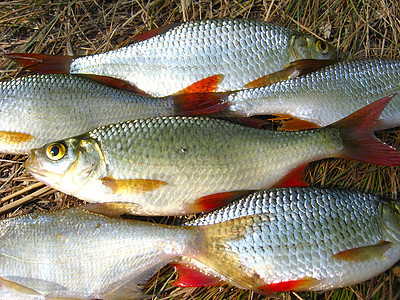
356, 28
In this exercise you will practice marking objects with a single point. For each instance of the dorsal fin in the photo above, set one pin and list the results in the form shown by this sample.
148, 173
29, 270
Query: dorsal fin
42, 63
205, 85
153, 32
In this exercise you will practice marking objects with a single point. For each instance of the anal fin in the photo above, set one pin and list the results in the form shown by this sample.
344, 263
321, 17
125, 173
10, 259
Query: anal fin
294, 178
303, 284
292, 123
189, 276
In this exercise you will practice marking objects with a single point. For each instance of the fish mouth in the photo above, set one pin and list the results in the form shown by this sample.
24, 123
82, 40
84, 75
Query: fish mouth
33, 166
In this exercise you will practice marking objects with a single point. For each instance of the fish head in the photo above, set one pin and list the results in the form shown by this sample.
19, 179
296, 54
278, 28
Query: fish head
309, 47
67, 164
391, 219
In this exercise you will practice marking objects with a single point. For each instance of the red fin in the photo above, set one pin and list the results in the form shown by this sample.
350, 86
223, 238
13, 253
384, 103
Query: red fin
294, 178
116, 84
292, 123
200, 103
364, 253
153, 32
296, 68
192, 277
359, 140
42, 63
303, 284
206, 85
214, 201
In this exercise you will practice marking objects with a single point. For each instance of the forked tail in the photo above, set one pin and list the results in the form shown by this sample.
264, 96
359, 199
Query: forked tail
359, 140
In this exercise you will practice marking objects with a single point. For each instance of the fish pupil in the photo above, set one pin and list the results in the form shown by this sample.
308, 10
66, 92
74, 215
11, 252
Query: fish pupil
54, 151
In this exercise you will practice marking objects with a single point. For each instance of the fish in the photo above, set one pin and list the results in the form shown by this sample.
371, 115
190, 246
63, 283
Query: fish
77, 254
288, 239
167, 59
184, 165
295, 239
38, 109
325, 96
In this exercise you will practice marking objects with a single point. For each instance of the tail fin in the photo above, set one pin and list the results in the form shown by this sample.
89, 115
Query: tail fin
42, 63
359, 140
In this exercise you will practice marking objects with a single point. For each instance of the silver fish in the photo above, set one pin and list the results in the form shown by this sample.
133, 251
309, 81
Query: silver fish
38, 109
170, 58
183, 165
327, 95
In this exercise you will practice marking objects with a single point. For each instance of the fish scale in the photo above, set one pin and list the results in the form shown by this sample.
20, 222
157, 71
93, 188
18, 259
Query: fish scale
240, 50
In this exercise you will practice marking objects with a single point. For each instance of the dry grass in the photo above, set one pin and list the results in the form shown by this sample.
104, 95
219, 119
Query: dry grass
356, 28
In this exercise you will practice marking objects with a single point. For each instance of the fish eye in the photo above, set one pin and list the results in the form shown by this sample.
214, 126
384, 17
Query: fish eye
55, 151
322, 47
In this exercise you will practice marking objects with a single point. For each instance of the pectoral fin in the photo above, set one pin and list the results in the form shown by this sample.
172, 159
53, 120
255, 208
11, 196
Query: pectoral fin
364, 253
296, 68
132, 186
13, 138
